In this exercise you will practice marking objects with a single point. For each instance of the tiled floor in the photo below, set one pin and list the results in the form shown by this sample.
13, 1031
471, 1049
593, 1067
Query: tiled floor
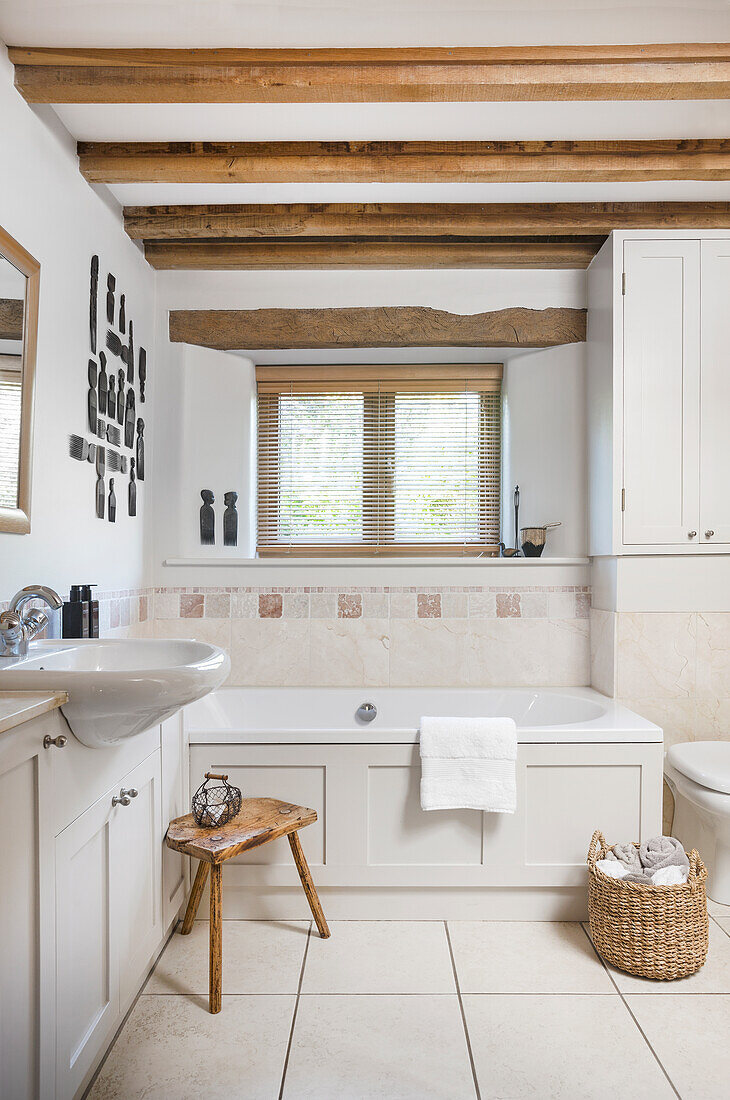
407, 1010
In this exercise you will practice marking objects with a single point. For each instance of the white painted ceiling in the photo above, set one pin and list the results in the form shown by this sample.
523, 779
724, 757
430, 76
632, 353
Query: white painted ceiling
169, 23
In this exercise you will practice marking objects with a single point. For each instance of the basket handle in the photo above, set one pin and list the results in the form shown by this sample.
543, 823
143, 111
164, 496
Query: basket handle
215, 775
598, 843
697, 869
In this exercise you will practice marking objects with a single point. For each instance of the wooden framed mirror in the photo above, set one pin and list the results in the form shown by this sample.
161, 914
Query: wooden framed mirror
19, 291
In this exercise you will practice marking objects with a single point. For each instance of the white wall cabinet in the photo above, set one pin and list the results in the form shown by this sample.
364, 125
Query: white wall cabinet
659, 394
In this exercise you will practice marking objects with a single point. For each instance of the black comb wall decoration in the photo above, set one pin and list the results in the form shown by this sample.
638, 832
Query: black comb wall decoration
112, 398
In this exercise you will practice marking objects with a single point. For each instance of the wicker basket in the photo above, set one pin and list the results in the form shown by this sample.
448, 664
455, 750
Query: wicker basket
654, 931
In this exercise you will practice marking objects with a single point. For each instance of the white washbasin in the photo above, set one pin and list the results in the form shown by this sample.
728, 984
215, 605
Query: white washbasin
117, 687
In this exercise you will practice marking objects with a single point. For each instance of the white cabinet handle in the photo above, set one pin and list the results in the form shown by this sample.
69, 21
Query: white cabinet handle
124, 797
709, 534
691, 534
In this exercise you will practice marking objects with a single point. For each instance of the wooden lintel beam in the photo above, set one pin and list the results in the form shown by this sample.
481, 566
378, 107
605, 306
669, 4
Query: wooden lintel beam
364, 220
376, 326
11, 318
409, 253
503, 73
404, 161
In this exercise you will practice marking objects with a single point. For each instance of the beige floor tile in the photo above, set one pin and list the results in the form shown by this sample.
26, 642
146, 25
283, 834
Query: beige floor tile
574, 1047
716, 910
525, 957
714, 977
380, 957
379, 1048
690, 1036
171, 1048
724, 923
258, 957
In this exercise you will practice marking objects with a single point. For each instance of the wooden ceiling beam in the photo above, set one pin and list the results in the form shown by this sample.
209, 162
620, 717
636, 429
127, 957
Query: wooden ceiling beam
376, 327
418, 220
410, 253
404, 161
503, 73
11, 318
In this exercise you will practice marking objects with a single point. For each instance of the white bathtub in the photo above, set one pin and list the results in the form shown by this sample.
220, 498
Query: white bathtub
299, 715
584, 762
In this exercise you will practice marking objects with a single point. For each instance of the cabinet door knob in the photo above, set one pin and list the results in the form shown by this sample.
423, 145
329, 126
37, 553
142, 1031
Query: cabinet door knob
709, 534
124, 797
691, 534
59, 741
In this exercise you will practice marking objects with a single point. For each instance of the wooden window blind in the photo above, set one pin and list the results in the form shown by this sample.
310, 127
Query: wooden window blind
11, 392
381, 459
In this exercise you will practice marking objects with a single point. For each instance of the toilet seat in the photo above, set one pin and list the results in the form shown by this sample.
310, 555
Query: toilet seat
704, 762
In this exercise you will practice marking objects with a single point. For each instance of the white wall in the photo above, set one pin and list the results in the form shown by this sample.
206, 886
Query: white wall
49, 208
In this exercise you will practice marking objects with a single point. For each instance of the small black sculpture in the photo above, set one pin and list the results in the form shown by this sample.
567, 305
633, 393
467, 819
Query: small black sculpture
230, 520
120, 397
111, 283
112, 502
129, 418
122, 313
91, 397
132, 491
93, 296
142, 372
103, 383
130, 355
140, 449
207, 518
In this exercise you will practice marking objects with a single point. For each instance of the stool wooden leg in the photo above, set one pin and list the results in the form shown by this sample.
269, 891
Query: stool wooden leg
216, 940
309, 888
195, 895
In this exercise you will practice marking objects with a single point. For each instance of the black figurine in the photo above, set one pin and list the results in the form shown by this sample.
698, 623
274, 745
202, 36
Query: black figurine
132, 491
207, 518
93, 297
91, 397
122, 313
140, 449
230, 520
112, 502
129, 418
120, 397
111, 283
103, 387
130, 355
142, 372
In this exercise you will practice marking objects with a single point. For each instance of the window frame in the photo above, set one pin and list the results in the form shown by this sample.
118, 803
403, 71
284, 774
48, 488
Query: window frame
379, 385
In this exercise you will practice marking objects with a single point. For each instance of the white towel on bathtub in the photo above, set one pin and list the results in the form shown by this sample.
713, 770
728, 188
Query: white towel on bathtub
468, 763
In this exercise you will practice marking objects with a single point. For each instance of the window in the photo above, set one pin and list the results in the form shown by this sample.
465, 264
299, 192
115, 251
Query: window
379, 459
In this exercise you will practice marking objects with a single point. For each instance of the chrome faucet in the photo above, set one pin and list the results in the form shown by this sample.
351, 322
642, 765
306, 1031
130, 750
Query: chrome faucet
19, 627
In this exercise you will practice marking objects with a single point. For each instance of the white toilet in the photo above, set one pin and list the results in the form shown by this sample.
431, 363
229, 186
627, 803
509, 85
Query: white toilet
698, 773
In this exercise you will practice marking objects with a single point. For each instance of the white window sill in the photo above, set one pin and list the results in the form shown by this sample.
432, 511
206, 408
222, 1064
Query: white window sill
359, 561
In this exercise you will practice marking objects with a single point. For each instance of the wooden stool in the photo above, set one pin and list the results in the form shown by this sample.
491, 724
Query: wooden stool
258, 821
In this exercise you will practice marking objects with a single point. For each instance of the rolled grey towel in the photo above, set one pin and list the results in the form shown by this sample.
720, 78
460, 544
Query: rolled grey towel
628, 855
663, 851
639, 877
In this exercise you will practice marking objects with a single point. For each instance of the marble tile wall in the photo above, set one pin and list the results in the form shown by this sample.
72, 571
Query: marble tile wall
671, 667
402, 636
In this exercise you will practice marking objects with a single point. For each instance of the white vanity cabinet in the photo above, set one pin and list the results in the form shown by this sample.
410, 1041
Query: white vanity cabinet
176, 802
83, 909
659, 394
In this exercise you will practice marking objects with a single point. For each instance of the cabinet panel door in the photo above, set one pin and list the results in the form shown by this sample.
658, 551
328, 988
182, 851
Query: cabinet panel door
136, 854
174, 804
661, 392
87, 965
27, 943
715, 429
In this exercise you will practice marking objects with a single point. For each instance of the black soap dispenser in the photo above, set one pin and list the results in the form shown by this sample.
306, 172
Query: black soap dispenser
75, 619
